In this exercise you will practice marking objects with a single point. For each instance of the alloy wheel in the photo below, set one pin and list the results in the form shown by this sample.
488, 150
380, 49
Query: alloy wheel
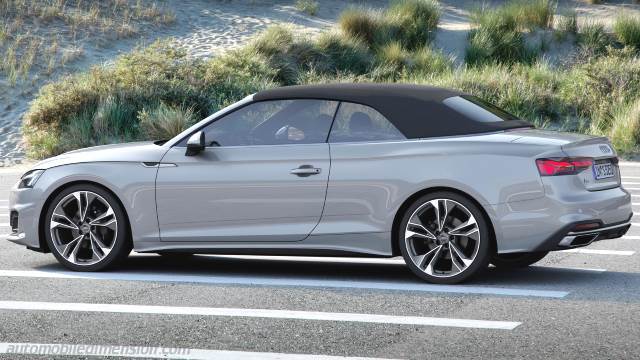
84, 228
442, 238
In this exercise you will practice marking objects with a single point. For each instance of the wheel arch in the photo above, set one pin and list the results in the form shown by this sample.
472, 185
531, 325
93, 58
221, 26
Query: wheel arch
395, 246
41, 220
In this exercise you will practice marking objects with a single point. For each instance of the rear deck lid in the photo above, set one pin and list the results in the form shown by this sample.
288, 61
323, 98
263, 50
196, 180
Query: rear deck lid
602, 174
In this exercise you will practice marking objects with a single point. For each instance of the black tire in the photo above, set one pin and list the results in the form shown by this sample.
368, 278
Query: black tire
482, 257
119, 251
517, 260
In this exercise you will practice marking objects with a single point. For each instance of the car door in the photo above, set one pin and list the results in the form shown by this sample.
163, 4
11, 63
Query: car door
263, 176
369, 162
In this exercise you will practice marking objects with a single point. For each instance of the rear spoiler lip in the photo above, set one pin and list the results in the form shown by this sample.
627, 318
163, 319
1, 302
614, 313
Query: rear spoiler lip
592, 141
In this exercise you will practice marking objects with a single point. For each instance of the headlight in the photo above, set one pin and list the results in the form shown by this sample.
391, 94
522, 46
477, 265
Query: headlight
29, 178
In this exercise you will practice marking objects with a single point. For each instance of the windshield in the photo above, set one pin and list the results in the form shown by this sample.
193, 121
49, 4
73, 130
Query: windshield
477, 109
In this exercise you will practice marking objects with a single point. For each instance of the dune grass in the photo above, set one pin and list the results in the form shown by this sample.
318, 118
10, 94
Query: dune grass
412, 23
25, 53
496, 38
593, 38
567, 24
627, 30
309, 7
165, 122
625, 128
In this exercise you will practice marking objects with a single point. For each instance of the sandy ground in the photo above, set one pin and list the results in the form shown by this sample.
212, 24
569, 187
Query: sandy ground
206, 28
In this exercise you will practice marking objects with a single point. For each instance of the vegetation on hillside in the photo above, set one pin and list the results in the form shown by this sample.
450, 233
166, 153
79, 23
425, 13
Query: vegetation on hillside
27, 50
157, 91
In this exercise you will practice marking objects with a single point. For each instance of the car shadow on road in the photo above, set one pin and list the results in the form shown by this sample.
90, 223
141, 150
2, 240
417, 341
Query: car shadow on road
581, 284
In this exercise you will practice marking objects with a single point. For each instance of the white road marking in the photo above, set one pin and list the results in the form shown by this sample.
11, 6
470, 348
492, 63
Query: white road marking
631, 177
152, 352
570, 268
258, 313
601, 252
630, 183
629, 163
631, 237
635, 224
635, 204
285, 282
631, 188
4, 224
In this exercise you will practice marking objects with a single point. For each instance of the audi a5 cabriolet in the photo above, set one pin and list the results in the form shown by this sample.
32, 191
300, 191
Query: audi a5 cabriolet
443, 178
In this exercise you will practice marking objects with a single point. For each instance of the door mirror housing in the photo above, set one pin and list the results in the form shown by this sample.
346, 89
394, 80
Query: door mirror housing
195, 144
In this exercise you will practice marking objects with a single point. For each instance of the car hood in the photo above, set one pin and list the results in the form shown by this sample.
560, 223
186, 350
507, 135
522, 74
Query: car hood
129, 152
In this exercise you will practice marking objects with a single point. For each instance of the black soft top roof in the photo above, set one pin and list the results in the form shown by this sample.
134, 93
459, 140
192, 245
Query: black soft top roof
416, 110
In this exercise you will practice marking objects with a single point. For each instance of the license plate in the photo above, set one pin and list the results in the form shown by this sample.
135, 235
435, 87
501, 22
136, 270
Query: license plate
603, 171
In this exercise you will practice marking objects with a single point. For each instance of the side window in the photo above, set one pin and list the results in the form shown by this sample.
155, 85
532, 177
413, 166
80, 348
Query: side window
355, 122
274, 123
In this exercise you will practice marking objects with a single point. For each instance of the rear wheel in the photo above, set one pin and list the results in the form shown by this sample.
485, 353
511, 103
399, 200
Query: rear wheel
86, 228
444, 238
517, 260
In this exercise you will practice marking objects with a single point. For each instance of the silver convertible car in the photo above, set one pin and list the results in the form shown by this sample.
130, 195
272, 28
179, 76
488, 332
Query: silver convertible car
445, 179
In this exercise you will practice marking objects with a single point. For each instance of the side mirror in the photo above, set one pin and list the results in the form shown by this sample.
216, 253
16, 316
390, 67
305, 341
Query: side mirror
195, 144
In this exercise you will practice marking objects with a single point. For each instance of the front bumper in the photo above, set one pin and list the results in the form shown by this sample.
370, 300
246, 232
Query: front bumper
26, 203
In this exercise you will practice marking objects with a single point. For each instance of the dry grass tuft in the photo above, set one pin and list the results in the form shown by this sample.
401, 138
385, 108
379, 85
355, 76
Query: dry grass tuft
27, 48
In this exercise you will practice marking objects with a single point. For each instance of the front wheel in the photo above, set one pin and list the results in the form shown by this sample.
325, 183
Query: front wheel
517, 260
86, 228
444, 238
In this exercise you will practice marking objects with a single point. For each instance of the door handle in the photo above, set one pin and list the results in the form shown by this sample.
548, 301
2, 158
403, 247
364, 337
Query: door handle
305, 170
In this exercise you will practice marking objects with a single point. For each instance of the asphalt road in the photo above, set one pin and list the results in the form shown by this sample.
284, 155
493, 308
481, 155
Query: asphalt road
572, 305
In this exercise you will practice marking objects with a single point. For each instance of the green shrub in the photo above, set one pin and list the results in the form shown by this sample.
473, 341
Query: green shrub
307, 6
625, 129
347, 54
529, 91
114, 121
165, 122
627, 30
568, 24
156, 92
393, 54
428, 62
290, 56
367, 25
593, 38
107, 99
497, 38
415, 21
532, 14
411, 22
496, 44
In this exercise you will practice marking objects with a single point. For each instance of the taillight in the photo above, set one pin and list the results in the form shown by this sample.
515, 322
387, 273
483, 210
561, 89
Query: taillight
563, 166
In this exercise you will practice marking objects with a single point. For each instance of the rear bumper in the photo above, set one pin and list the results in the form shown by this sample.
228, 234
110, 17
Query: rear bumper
567, 238
549, 223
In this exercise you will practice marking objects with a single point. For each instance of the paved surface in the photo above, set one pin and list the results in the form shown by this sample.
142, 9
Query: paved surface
574, 305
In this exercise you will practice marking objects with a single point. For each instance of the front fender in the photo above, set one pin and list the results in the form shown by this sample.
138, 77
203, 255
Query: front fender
131, 182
